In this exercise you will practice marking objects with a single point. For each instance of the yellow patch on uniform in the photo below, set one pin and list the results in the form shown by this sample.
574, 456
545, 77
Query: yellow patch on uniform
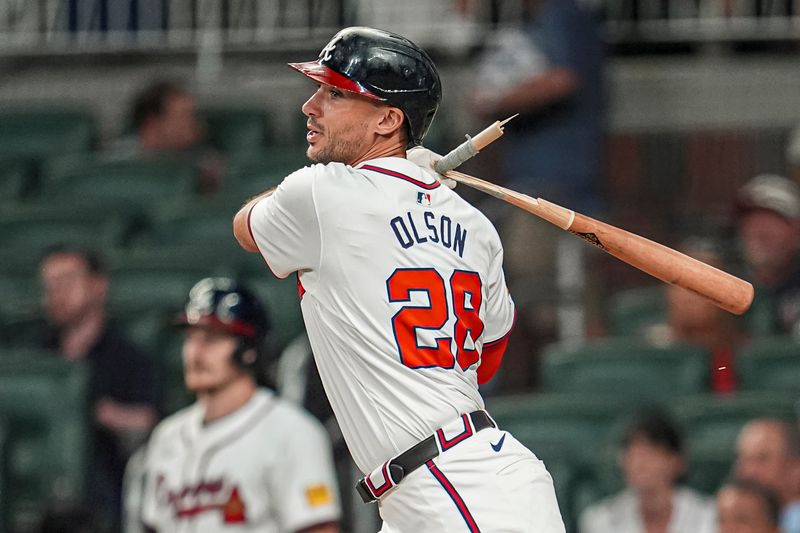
317, 495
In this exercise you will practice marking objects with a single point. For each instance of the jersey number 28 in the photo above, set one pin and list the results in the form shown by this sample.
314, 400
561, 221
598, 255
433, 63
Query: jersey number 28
465, 295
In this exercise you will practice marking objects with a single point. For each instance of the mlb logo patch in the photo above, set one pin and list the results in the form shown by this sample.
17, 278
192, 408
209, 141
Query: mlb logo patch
424, 198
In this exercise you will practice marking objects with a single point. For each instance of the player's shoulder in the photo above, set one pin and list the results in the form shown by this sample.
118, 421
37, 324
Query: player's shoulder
172, 426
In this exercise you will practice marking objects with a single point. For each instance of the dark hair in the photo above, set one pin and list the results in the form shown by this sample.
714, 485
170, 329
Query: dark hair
152, 99
657, 427
94, 262
767, 496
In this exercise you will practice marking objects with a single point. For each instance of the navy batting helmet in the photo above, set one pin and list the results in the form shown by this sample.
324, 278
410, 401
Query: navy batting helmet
226, 305
383, 66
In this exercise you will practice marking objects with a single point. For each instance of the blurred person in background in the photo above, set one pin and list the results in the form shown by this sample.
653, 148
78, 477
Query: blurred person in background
768, 224
747, 507
123, 394
653, 501
768, 452
549, 69
692, 319
240, 458
165, 122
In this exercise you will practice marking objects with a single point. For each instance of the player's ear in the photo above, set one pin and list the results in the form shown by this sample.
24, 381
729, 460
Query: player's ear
390, 119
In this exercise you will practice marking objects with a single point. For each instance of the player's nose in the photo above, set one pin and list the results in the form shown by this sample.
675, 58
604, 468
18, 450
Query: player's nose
311, 107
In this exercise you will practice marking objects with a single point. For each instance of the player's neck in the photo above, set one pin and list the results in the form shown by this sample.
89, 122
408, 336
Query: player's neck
228, 399
389, 147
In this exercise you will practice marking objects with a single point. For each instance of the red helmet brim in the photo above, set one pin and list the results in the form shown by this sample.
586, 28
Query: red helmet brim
327, 76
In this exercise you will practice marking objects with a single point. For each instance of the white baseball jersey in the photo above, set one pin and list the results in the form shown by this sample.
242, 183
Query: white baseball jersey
267, 468
402, 286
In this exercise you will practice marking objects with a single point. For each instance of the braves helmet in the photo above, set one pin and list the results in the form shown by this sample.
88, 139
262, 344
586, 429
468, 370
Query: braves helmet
383, 66
225, 305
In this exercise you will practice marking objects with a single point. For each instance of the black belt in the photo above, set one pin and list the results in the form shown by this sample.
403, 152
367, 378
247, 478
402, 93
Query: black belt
419, 454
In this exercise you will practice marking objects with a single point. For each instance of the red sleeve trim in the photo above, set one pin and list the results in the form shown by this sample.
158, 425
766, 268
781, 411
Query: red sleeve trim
492, 355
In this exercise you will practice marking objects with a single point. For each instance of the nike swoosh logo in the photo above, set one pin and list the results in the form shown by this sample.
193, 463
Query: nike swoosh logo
496, 447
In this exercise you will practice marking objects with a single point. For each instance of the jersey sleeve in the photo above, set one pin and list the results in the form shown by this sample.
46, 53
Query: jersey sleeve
499, 306
307, 494
285, 226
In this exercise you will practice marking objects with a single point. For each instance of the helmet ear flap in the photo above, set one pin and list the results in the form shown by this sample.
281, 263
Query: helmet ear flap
246, 355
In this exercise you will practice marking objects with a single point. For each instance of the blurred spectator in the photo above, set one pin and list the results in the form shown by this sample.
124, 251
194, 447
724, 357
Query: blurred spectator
240, 458
549, 69
747, 507
123, 395
165, 122
695, 320
652, 464
768, 208
768, 452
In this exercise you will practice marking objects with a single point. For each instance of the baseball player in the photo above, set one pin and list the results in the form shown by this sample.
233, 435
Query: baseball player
403, 297
239, 459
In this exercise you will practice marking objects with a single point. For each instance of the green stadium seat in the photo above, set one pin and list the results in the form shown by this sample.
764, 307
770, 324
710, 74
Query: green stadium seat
237, 130
120, 182
713, 422
19, 283
200, 222
42, 132
771, 363
634, 310
626, 367
18, 179
557, 425
256, 172
708, 468
160, 277
32, 229
43, 399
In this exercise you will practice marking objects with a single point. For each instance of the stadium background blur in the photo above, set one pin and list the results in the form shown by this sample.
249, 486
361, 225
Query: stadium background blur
702, 96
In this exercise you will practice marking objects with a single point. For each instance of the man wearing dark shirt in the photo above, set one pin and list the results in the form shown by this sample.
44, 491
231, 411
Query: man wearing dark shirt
768, 208
122, 388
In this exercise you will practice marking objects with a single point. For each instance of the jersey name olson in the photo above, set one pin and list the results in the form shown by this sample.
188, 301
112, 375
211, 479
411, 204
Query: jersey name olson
411, 229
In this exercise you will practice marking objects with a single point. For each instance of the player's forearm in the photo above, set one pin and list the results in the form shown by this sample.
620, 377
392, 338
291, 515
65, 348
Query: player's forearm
540, 91
241, 223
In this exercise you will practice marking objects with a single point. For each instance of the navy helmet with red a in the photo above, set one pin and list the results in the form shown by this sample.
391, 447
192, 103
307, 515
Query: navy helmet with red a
226, 305
383, 66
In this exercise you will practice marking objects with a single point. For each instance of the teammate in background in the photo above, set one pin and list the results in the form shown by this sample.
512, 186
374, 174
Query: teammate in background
747, 507
695, 320
240, 458
768, 210
403, 297
123, 395
165, 122
768, 453
652, 464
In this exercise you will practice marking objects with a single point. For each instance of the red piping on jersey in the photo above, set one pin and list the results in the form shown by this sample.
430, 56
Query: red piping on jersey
392, 173
492, 355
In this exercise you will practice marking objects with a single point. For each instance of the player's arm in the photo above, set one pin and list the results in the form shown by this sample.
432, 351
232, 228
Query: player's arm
500, 318
241, 223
